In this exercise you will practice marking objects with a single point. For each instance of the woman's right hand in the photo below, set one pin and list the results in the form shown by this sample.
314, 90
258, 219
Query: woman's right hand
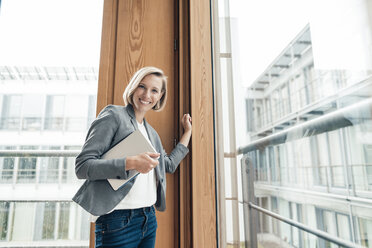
143, 162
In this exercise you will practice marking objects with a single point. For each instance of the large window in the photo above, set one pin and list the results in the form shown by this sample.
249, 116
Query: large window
11, 112
305, 70
32, 106
48, 88
27, 167
54, 112
4, 216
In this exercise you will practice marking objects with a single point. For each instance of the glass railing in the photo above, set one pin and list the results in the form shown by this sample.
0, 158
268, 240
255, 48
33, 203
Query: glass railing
38, 166
57, 223
314, 178
329, 176
45, 124
308, 96
46, 216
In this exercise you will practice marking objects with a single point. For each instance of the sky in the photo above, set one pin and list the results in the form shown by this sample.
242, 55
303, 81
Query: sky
50, 32
60, 33
264, 29
341, 38
68, 33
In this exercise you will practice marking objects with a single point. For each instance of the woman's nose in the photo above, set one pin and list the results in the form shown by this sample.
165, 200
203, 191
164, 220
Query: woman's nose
147, 93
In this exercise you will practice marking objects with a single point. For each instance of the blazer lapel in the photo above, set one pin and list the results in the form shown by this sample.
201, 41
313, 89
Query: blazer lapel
152, 139
151, 135
131, 113
134, 123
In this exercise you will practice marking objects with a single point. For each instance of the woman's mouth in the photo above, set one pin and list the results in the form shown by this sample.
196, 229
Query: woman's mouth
144, 102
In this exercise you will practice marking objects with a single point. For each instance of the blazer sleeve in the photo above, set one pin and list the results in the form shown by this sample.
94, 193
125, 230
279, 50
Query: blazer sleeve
88, 164
172, 161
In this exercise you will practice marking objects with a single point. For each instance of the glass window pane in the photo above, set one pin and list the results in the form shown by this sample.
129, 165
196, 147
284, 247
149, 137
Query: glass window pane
343, 226
68, 170
11, 112
49, 167
27, 167
76, 118
49, 215
22, 225
48, 84
4, 218
7, 166
299, 62
262, 165
64, 219
32, 111
54, 113
365, 237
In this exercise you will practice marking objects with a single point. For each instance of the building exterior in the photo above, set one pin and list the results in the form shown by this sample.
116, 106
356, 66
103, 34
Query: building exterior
322, 180
38, 111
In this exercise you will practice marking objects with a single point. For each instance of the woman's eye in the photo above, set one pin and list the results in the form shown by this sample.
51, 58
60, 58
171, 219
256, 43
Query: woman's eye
141, 86
155, 91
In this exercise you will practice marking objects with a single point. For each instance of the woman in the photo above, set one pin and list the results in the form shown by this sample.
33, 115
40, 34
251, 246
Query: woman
127, 216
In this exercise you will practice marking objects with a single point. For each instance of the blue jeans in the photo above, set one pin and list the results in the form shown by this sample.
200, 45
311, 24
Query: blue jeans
127, 228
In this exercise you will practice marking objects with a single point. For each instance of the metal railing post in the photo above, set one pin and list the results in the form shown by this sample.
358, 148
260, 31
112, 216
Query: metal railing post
250, 215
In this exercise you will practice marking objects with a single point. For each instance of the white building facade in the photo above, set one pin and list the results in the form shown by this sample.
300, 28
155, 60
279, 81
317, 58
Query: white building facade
42, 109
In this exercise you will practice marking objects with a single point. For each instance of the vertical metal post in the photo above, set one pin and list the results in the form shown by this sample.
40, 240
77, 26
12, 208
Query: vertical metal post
250, 215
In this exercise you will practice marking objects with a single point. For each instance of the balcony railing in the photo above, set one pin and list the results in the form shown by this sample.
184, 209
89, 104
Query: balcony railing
46, 124
57, 223
297, 103
254, 178
53, 172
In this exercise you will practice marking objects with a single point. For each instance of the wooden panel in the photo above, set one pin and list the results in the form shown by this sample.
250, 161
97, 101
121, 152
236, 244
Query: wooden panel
145, 36
184, 107
105, 94
203, 170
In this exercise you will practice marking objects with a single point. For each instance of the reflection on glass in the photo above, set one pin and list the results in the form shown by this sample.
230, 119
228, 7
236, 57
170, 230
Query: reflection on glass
309, 109
262, 165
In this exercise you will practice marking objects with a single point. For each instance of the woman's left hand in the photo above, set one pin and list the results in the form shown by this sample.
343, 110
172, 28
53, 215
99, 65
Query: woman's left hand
186, 123
187, 128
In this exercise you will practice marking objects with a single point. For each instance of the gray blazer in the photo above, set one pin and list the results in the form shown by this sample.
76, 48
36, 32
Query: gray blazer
113, 124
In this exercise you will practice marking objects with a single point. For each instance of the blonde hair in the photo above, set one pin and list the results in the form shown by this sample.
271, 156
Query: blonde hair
137, 79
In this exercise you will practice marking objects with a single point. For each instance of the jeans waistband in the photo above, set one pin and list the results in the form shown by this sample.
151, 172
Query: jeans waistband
126, 212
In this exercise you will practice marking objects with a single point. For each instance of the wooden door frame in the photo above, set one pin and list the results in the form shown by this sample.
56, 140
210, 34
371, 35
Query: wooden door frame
204, 212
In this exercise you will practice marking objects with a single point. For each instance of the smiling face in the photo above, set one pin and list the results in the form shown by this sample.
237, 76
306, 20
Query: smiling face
147, 94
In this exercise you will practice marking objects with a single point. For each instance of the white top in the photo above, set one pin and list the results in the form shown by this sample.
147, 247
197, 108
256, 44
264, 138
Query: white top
143, 192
